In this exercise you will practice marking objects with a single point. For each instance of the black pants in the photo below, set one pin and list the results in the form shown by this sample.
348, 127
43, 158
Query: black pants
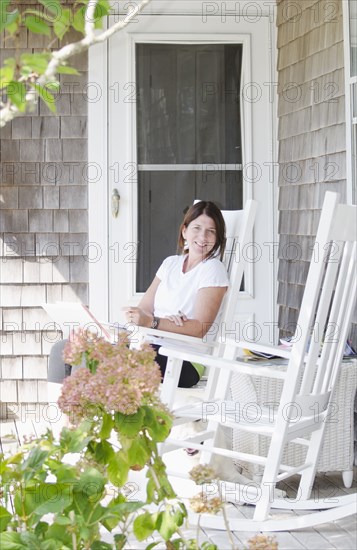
189, 375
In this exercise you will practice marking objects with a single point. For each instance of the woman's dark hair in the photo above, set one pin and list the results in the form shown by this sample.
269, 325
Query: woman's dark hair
213, 212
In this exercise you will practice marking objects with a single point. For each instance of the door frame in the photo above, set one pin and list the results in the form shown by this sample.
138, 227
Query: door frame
103, 170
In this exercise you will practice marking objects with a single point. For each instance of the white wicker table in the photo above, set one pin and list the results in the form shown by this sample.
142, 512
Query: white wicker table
337, 453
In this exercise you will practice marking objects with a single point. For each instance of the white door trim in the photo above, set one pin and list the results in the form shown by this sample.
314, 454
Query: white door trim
98, 181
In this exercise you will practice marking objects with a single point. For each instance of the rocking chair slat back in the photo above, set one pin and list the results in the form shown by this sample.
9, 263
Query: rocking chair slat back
331, 287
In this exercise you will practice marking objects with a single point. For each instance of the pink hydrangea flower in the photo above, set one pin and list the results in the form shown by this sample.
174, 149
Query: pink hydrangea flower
79, 342
123, 380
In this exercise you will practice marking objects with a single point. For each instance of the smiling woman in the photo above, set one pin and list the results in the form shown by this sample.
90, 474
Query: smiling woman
186, 293
203, 229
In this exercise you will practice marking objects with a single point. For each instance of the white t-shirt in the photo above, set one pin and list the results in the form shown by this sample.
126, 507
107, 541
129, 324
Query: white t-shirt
177, 291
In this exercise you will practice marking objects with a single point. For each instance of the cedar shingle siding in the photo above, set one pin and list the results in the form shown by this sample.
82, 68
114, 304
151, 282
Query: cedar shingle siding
43, 226
311, 136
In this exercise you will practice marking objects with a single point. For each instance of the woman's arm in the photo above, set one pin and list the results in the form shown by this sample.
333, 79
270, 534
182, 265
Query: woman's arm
147, 301
206, 309
142, 314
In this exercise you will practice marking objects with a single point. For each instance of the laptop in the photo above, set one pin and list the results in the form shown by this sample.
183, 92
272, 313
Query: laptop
69, 316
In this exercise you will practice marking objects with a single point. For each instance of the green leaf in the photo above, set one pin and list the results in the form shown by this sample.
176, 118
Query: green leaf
35, 62
50, 101
120, 541
158, 423
30, 540
74, 441
52, 498
63, 520
88, 513
138, 453
81, 506
9, 20
165, 490
3, 13
91, 484
78, 22
84, 533
65, 473
100, 545
102, 9
118, 469
54, 86
97, 515
144, 525
62, 23
166, 525
53, 6
37, 25
11, 541
65, 69
60, 534
150, 491
34, 462
119, 511
5, 518
16, 458
19, 541
41, 528
6, 75
16, 92
39, 498
103, 452
126, 508
39, 15
129, 424
107, 426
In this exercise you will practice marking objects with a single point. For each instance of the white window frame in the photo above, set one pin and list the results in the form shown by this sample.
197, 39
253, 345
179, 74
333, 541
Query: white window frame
351, 121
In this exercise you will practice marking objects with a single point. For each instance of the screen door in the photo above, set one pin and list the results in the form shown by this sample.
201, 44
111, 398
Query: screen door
189, 142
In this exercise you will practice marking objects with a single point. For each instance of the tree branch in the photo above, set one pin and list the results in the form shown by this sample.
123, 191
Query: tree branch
10, 111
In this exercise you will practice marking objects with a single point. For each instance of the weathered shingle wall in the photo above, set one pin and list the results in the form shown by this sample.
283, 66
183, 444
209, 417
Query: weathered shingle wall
43, 226
311, 134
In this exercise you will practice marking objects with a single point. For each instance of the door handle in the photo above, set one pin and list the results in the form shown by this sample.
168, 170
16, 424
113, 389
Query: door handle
115, 203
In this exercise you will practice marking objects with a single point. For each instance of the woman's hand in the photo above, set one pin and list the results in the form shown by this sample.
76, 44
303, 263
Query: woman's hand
137, 316
178, 319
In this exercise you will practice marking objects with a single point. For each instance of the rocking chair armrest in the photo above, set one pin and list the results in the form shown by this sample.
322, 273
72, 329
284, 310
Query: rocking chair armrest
283, 352
234, 365
144, 333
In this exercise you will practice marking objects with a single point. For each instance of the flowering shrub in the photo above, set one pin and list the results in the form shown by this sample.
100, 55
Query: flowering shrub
120, 379
72, 493
64, 494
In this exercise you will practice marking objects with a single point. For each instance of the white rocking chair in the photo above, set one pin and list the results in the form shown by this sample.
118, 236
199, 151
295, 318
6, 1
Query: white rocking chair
239, 232
307, 394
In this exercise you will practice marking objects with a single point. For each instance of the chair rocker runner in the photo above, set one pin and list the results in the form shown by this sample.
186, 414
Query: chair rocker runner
239, 232
308, 385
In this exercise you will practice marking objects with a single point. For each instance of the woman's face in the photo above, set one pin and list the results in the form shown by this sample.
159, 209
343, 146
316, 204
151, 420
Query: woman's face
201, 236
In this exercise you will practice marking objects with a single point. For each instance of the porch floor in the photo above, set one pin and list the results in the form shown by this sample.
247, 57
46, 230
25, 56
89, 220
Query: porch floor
17, 427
